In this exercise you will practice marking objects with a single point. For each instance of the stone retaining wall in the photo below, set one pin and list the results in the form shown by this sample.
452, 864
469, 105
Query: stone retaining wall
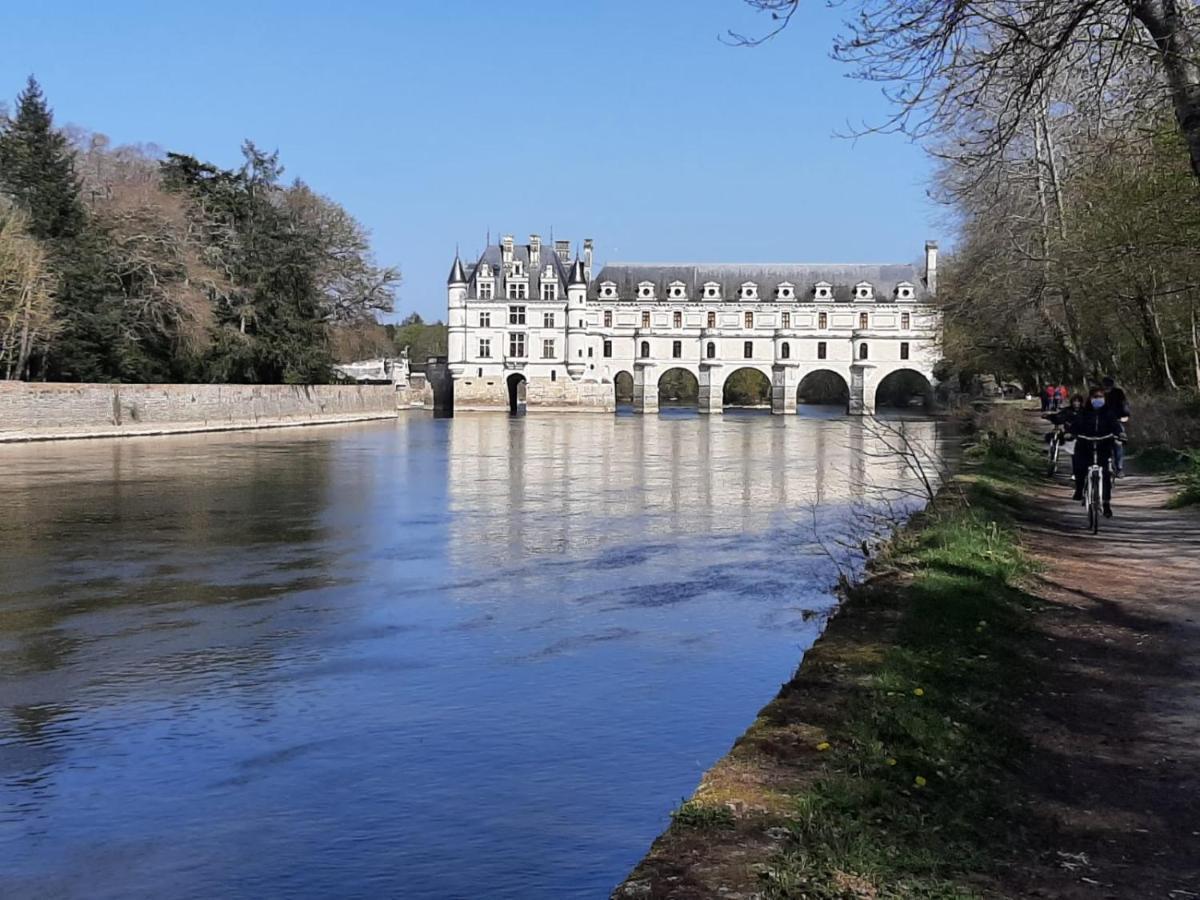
31, 409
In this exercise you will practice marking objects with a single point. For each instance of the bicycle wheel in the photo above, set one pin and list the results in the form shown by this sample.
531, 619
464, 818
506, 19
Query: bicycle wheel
1094, 503
1053, 467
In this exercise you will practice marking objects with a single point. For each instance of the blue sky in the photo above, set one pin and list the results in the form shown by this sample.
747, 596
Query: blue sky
435, 121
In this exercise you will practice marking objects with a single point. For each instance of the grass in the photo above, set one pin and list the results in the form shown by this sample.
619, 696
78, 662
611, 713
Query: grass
909, 802
694, 814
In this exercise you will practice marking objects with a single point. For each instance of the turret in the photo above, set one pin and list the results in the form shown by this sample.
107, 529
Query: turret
576, 320
456, 317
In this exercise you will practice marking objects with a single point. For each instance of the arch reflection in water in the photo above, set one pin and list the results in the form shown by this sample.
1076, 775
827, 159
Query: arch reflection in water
548, 483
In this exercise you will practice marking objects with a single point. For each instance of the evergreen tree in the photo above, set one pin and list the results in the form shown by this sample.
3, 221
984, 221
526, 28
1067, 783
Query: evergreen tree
37, 168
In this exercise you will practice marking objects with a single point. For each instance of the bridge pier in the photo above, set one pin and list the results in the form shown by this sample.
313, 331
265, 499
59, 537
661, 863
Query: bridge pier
860, 403
785, 383
712, 382
645, 387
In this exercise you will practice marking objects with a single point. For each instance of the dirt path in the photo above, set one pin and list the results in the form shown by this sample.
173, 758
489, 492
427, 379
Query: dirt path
1115, 775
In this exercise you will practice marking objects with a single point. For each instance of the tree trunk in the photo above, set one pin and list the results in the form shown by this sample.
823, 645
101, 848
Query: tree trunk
1169, 24
1155, 345
26, 339
1195, 345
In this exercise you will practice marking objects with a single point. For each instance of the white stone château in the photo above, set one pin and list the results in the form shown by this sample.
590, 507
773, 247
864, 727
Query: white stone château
529, 325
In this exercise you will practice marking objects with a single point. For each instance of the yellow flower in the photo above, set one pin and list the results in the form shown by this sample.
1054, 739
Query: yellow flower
823, 746
919, 781
891, 760
920, 692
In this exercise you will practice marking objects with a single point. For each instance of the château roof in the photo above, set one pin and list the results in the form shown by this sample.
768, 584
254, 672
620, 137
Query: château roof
457, 275
494, 257
731, 276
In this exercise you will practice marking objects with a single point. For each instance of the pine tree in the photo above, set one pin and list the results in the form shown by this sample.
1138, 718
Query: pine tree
37, 168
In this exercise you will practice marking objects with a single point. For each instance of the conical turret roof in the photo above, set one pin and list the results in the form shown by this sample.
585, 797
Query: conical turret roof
577, 274
457, 274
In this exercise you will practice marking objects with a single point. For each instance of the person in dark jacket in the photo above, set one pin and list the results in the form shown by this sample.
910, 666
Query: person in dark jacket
1115, 399
1096, 420
1065, 416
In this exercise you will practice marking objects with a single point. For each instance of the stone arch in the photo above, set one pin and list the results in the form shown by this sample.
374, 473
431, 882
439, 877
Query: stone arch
903, 388
623, 386
678, 386
824, 387
746, 386
516, 392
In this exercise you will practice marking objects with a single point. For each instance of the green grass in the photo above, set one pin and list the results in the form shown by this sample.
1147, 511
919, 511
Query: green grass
1188, 476
694, 814
911, 801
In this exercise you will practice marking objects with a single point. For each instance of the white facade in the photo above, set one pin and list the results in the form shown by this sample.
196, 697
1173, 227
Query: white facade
526, 322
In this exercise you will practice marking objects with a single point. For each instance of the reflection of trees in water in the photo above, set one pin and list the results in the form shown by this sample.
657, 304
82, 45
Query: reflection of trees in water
550, 482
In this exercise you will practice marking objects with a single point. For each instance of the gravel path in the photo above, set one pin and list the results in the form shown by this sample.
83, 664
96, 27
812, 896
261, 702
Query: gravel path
1115, 774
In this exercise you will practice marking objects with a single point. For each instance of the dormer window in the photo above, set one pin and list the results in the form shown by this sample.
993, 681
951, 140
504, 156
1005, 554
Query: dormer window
823, 290
608, 289
485, 288
518, 268
905, 291
677, 290
646, 290
864, 291
549, 290
748, 291
785, 291
712, 290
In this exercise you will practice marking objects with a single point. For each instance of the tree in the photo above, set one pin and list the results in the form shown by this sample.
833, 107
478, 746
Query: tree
37, 168
26, 295
419, 339
939, 60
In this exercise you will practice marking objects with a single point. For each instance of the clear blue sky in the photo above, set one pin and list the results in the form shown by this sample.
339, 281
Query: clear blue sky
622, 120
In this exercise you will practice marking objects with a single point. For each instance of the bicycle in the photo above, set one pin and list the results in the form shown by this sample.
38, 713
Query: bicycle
1093, 486
1056, 442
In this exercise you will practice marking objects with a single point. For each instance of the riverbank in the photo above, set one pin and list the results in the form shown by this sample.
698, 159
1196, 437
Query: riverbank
1001, 709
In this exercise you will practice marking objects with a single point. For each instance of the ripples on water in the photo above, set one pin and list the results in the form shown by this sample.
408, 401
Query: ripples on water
469, 657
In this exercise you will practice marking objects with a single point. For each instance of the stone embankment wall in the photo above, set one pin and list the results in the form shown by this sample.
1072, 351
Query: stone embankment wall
491, 393
30, 411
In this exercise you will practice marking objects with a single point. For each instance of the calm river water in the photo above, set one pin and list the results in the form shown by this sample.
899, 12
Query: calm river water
459, 658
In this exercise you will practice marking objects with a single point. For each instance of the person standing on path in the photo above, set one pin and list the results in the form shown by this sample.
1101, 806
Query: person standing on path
1118, 404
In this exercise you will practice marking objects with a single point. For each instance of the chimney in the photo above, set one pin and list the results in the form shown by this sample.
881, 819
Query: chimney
506, 244
563, 249
535, 250
587, 258
931, 251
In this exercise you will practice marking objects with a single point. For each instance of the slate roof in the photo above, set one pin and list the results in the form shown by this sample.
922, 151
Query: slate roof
494, 256
731, 276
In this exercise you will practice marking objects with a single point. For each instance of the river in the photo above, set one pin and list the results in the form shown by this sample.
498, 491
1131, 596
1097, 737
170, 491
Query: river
431, 658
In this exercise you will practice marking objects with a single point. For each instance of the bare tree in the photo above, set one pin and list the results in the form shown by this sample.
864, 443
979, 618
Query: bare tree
939, 60
26, 295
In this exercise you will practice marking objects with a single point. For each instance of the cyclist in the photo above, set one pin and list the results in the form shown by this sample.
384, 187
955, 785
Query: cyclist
1115, 399
1096, 420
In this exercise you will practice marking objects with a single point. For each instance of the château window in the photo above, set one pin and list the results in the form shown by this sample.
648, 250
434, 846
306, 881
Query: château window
711, 350
822, 320
608, 318
645, 319
677, 320
748, 350
553, 375
786, 320
548, 320
486, 290
676, 349
608, 349
749, 319
904, 349
645, 349
516, 345
591, 352
547, 349
862, 351
485, 348
550, 291
485, 320
785, 351
822, 350
863, 321
905, 321
518, 290
516, 315
712, 320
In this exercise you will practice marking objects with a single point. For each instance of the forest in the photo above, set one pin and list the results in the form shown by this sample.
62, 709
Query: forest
133, 265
